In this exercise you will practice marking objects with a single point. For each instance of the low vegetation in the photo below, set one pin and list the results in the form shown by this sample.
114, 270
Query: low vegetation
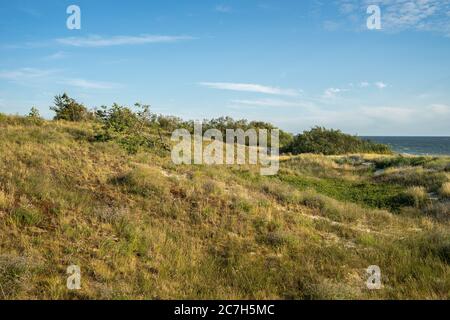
332, 142
140, 227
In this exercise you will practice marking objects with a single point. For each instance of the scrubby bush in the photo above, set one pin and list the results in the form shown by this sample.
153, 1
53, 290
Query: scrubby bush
130, 129
34, 116
328, 142
68, 109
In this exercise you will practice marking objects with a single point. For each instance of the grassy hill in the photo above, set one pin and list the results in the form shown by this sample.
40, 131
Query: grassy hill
142, 228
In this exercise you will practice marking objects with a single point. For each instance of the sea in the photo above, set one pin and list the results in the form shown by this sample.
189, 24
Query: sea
416, 145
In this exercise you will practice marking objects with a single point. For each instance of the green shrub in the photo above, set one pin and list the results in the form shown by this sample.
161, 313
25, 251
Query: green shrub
332, 142
132, 130
68, 109
35, 117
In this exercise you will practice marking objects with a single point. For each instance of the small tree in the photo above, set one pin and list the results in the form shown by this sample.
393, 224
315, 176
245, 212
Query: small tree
34, 113
34, 116
68, 109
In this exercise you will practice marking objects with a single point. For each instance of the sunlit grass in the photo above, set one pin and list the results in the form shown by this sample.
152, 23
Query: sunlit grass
142, 228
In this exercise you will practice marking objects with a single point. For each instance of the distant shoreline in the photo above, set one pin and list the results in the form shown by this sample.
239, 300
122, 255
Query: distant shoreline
418, 145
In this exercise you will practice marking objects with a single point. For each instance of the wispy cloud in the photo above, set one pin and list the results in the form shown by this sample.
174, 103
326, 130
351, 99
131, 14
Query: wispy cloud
250, 87
223, 8
25, 74
33, 76
87, 84
331, 93
375, 120
380, 85
98, 41
364, 84
56, 56
269, 103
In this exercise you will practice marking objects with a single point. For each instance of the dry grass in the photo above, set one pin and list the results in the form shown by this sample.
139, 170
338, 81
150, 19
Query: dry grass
418, 195
445, 190
141, 228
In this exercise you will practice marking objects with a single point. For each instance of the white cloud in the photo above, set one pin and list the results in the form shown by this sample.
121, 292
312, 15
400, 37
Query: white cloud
87, 84
223, 8
25, 74
56, 56
98, 41
380, 85
364, 84
440, 109
33, 76
270, 103
331, 93
250, 87
376, 120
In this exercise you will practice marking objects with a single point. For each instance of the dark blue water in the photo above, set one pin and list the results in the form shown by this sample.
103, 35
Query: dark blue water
416, 145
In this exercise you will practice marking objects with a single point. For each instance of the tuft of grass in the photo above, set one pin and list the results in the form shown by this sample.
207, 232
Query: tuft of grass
445, 190
416, 196
145, 181
6, 200
26, 216
12, 272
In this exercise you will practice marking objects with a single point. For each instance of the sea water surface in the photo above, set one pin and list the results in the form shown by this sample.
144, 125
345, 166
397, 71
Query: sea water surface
416, 145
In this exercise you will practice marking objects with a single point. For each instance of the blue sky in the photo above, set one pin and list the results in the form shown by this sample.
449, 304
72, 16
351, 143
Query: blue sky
294, 63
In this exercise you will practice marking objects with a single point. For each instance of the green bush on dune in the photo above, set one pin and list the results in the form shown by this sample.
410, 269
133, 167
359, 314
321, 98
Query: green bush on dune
332, 142
68, 109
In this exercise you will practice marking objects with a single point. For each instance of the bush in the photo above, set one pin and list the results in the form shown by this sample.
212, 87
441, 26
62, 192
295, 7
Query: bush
130, 129
332, 142
68, 109
34, 116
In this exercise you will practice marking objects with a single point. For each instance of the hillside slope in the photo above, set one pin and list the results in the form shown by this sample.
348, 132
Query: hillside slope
140, 227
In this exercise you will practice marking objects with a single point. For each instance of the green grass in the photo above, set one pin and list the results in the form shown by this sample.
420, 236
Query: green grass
366, 193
